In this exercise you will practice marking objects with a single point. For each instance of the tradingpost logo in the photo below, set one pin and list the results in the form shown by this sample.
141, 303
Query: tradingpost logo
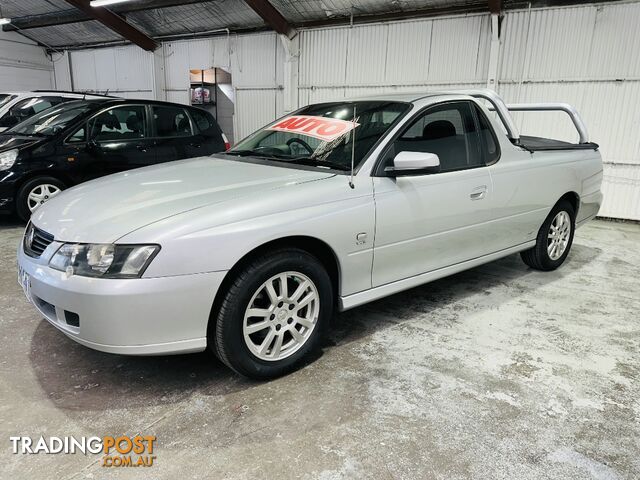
122, 451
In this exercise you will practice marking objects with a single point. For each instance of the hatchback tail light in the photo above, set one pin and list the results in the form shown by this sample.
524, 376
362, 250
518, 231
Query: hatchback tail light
227, 144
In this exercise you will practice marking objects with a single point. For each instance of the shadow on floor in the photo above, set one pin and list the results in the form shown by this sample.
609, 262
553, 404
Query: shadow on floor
10, 221
78, 378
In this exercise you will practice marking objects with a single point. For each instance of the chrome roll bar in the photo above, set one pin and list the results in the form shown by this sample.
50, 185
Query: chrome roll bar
503, 110
553, 107
497, 105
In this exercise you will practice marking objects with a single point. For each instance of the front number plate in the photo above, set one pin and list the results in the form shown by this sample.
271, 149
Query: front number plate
25, 282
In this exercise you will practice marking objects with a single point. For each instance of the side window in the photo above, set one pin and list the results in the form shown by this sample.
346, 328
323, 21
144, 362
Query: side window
78, 136
172, 122
488, 140
449, 131
118, 123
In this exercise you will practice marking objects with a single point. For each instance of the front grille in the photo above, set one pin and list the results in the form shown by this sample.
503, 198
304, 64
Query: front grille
36, 241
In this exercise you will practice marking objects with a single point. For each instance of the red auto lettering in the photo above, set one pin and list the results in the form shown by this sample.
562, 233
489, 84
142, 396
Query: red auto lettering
285, 123
331, 129
312, 124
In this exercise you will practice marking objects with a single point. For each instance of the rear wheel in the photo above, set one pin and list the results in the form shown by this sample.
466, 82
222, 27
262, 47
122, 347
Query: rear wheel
35, 193
554, 240
272, 314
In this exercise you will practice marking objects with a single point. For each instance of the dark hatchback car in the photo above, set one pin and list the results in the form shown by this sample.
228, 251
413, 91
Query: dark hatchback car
82, 140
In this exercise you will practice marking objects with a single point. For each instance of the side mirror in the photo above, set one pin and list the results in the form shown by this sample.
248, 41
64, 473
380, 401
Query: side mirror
92, 145
413, 163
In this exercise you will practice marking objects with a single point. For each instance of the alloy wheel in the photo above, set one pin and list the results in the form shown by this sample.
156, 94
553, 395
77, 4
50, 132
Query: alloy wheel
281, 316
558, 236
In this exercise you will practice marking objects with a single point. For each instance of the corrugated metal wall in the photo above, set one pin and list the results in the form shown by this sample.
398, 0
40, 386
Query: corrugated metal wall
400, 57
23, 64
123, 71
583, 55
586, 56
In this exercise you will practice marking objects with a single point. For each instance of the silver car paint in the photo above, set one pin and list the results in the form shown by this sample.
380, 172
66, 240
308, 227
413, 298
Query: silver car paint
210, 212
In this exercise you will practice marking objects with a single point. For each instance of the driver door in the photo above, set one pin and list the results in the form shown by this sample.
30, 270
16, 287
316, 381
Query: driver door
112, 141
430, 221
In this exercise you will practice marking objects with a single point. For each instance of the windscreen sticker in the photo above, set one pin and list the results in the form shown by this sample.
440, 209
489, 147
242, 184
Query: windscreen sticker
324, 128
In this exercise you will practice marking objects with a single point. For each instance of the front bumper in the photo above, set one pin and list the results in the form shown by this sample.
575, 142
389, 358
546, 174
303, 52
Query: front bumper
7, 195
145, 316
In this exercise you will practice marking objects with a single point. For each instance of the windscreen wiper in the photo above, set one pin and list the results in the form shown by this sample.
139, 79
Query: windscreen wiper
255, 153
319, 163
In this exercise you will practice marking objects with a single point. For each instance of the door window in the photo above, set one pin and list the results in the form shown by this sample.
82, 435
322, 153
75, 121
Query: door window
449, 131
77, 137
488, 140
118, 123
172, 122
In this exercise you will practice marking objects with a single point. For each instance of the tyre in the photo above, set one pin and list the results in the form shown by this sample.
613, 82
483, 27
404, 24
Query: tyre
34, 193
272, 314
554, 239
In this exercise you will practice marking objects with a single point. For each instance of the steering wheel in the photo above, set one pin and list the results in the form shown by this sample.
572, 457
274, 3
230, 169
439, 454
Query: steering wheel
301, 142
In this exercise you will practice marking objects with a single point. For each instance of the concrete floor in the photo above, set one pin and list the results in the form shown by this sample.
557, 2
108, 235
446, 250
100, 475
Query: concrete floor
500, 372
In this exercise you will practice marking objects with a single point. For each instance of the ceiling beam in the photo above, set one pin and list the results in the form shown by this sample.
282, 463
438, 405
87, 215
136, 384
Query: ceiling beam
116, 23
75, 16
272, 17
495, 6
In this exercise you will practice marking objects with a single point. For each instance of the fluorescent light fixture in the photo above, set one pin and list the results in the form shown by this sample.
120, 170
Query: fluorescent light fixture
102, 3
4, 21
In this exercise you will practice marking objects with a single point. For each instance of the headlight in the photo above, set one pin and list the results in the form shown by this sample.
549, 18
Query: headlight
103, 260
7, 159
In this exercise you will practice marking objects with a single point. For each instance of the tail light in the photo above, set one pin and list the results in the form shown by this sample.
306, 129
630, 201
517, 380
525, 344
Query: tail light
227, 144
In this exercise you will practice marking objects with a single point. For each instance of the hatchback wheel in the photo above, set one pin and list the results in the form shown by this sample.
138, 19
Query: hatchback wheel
35, 193
272, 314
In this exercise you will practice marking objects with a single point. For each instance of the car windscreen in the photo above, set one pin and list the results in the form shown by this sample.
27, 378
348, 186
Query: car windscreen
5, 98
27, 108
51, 121
325, 135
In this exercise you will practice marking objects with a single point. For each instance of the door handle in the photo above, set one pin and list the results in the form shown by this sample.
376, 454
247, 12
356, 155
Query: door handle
194, 145
478, 193
142, 148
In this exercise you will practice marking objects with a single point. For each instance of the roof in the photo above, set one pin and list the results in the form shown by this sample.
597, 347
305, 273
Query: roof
57, 24
408, 97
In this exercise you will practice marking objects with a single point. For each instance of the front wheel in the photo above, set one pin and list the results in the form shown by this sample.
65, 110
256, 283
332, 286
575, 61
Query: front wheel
273, 314
35, 193
554, 240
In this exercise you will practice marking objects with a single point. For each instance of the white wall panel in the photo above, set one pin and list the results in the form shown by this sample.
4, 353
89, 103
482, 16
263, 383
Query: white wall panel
62, 72
621, 190
123, 71
254, 109
459, 49
547, 43
179, 96
323, 57
254, 60
408, 52
23, 64
367, 55
584, 56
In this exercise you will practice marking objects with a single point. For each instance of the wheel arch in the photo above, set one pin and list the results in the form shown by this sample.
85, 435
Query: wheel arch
573, 198
43, 173
316, 247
